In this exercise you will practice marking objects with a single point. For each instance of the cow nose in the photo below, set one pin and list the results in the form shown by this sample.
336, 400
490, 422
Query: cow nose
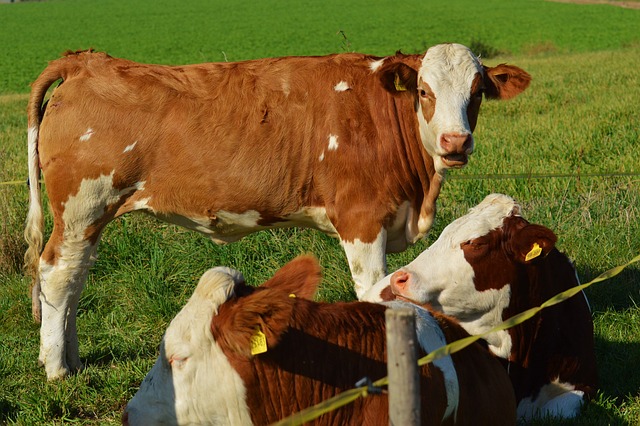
399, 282
459, 143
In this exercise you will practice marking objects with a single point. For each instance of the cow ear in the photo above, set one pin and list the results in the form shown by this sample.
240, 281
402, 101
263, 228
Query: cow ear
397, 78
505, 81
533, 242
254, 324
300, 277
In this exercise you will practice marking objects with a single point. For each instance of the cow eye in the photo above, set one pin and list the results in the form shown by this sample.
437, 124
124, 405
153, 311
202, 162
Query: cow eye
177, 362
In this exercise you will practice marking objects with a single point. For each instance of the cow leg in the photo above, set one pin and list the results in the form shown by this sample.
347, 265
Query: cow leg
61, 282
367, 261
78, 220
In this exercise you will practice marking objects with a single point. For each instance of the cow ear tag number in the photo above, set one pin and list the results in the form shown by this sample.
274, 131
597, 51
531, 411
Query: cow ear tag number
258, 342
400, 87
533, 253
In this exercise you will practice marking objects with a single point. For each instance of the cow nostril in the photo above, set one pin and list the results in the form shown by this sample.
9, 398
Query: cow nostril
399, 280
456, 142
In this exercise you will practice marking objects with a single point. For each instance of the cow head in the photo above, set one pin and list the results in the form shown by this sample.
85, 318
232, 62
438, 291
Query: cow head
192, 381
468, 271
448, 85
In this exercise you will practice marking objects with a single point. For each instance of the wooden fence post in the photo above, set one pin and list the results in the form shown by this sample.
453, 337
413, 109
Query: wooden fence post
402, 366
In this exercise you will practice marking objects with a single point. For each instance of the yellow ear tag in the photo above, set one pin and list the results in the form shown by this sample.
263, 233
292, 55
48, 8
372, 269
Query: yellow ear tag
533, 253
258, 342
400, 87
292, 295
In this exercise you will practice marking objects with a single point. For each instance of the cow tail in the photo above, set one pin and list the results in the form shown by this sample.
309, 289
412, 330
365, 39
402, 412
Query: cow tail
34, 224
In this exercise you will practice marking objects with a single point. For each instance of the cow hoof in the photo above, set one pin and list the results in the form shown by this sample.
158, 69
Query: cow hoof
57, 374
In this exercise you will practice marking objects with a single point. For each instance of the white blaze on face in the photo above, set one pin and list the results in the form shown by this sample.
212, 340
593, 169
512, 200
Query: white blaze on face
442, 276
192, 381
449, 70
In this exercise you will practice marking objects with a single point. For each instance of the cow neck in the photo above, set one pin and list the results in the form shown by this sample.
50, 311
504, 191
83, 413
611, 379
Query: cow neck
425, 181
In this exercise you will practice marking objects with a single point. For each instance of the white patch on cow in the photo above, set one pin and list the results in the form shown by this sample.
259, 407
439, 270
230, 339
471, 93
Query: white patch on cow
431, 337
375, 65
367, 261
310, 217
341, 87
192, 382
333, 142
442, 277
225, 227
321, 158
556, 399
130, 147
87, 135
61, 284
143, 204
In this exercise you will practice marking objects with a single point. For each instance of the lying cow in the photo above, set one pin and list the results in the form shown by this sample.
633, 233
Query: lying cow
353, 145
206, 372
490, 265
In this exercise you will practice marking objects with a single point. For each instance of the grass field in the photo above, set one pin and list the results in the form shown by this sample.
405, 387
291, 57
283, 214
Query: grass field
580, 117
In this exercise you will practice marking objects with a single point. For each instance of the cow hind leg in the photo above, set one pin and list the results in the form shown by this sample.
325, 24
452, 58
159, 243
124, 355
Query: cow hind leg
78, 218
62, 279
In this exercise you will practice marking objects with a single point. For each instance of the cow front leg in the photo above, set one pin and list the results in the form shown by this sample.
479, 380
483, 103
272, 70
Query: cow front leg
367, 261
61, 281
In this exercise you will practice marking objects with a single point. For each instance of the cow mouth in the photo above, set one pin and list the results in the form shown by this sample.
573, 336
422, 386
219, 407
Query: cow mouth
455, 160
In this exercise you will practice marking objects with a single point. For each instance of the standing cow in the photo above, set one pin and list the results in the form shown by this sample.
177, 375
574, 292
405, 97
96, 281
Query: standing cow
490, 265
353, 145
210, 373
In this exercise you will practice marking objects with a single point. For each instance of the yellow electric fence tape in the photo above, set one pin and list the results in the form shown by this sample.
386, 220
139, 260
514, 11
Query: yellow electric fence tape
14, 182
351, 395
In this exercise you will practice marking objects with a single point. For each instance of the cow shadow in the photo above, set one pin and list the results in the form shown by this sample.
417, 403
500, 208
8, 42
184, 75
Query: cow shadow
618, 293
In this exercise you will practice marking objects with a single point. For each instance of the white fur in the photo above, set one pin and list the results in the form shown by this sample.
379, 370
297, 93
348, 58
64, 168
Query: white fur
555, 399
449, 69
192, 382
87, 135
367, 261
375, 65
333, 143
341, 87
130, 147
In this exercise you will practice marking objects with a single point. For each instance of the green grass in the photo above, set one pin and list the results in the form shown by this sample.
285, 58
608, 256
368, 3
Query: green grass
580, 117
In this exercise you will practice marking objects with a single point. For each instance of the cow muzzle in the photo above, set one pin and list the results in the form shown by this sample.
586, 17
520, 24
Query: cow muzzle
457, 147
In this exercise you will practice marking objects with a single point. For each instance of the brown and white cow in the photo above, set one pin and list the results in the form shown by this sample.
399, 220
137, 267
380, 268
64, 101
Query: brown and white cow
206, 373
353, 145
490, 265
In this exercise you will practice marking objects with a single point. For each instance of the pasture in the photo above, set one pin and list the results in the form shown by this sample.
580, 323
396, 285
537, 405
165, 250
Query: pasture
566, 150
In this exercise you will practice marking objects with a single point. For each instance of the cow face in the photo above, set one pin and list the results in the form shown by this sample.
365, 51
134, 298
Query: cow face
181, 386
449, 86
467, 273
